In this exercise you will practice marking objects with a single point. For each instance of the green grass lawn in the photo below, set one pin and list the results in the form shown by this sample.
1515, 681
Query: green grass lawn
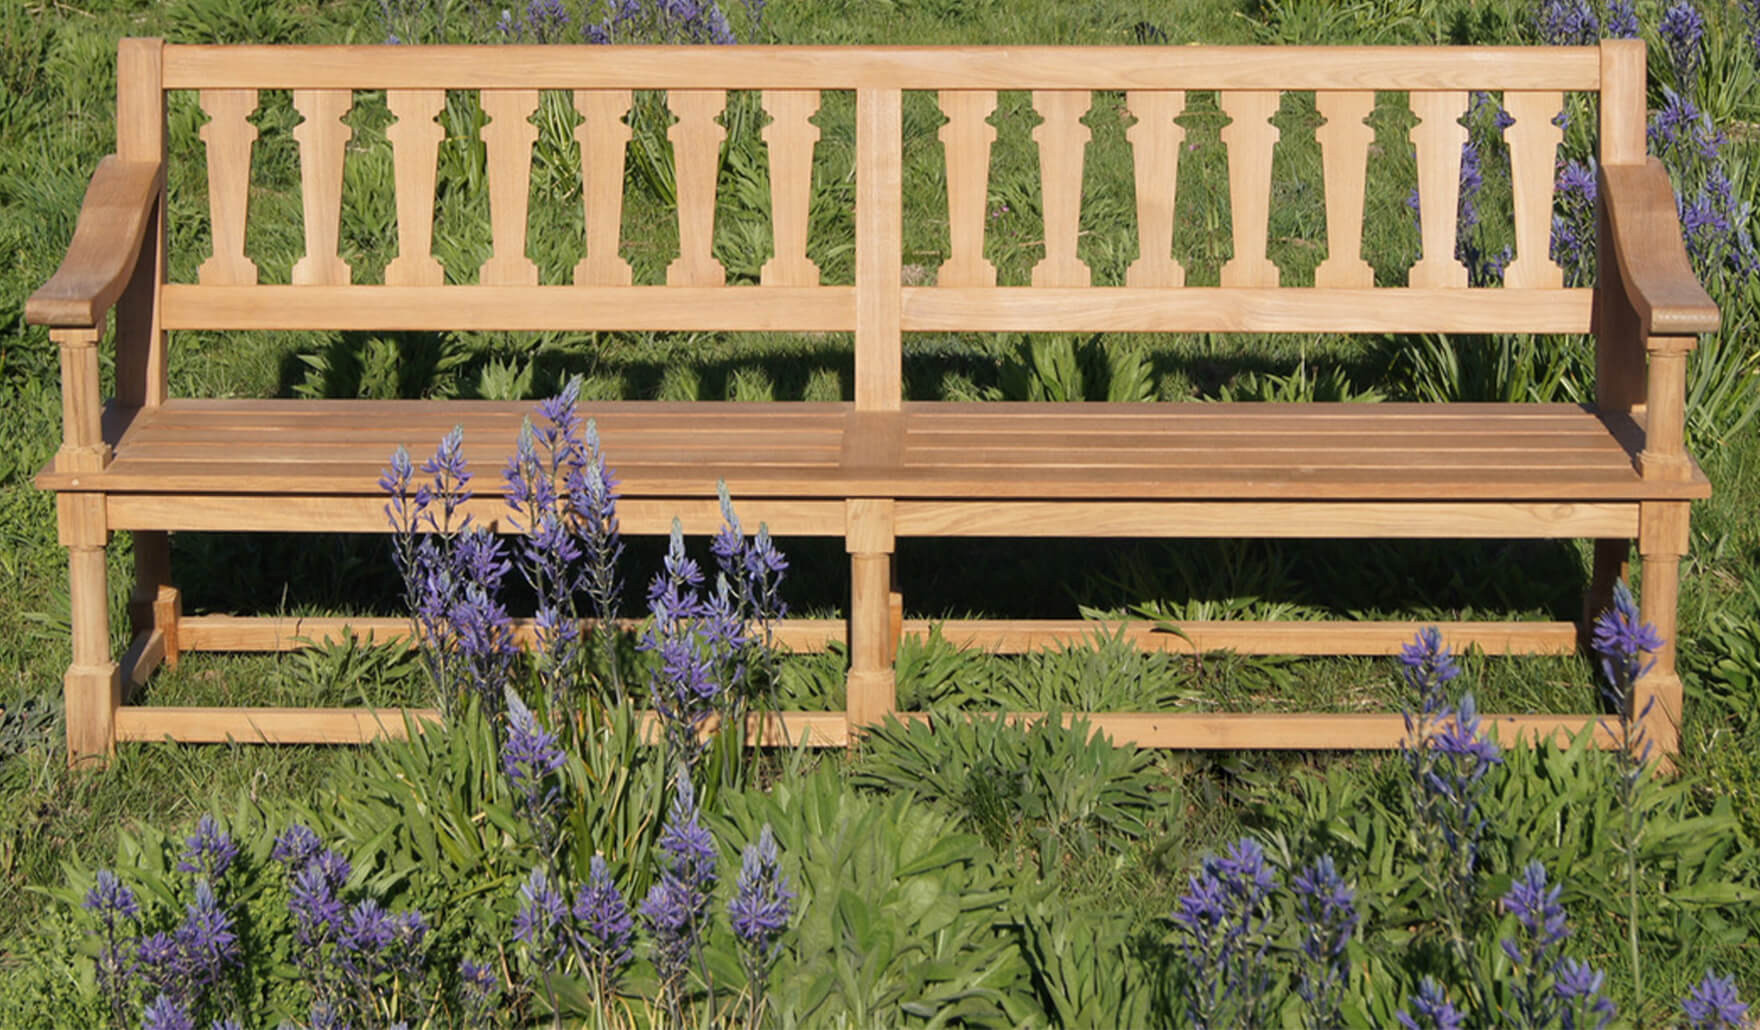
1098, 873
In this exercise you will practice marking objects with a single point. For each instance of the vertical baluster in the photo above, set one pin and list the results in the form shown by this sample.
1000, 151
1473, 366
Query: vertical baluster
603, 136
228, 136
790, 137
1344, 157
1155, 140
966, 138
322, 137
1250, 137
509, 137
1062, 140
696, 156
879, 249
1533, 153
1439, 136
415, 149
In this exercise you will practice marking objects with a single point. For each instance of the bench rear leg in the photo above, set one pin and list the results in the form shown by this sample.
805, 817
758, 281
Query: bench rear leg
93, 683
1611, 563
155, 603
872, 693
1662, 542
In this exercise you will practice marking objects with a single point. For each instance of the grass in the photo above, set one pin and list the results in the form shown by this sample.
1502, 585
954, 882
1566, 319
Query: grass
56, 107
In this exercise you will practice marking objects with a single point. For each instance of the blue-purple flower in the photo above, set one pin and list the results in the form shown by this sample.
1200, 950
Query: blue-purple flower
541, 923
1683, 37
166, 1013
1431, 1010
677, 906
1713, 1004
209, 852
604, 924
1326, 906
1223, 923
530, 758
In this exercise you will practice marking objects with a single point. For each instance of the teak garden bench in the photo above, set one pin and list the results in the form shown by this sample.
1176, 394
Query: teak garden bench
880, 467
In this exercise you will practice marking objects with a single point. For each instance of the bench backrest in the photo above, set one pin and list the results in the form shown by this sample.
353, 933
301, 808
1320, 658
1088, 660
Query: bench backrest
878, 305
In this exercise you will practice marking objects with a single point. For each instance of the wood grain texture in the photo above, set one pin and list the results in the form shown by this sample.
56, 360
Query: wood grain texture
1438, 137
1062, 140
603, 136
195, 725
509, 136
1250, 138
113, 224
696, 153
1654, 273
1245, 309
1533, 158
790, 137
1155, 140
83, 447
228, 137
140, 136
879, 249
415, 149
323, 138
966, 138
442, 308
925, 68
1344, 157
1622, 84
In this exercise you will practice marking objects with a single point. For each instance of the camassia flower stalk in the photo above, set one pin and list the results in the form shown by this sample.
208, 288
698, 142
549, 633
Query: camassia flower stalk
1223, 928
119, 914
1431, 1010
530, 758
541, 924
698, 640
760, 911
604, 929
1327, 908
1623, 641
1448, 760
677, 906
1713, 1004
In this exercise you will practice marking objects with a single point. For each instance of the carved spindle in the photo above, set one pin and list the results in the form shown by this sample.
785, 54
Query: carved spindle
509, 137
1344, 157
322, 138
696, 157
415, 149
1533, 155
1439, 136
790, 137
228, 136
1250, 137
1155, 141
966, 138
1062, 140
603, 136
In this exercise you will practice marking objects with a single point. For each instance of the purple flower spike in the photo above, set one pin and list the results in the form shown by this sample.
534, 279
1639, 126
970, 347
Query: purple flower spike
760, 907
1714, 1005
209, 852
296, 846
1431, 1010
1579, 991
541, 923
110, 898
479, 989
606, 927
166, 1013
1683, 36
206, 941
530, 757
1326, 906
1223, 926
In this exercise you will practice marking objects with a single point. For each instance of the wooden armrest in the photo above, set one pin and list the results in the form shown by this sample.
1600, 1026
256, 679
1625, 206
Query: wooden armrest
1659, 282
106, 242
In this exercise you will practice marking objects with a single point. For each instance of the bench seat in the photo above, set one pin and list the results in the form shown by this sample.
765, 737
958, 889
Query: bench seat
1462, 452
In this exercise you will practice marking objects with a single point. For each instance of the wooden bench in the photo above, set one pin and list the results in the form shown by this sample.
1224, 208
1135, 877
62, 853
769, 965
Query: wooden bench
879, 467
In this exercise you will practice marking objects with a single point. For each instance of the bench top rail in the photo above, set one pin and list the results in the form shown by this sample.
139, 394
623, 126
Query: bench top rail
1151, 93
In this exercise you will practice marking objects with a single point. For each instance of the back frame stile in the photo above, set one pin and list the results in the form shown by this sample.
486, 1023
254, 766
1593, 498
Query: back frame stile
878, 467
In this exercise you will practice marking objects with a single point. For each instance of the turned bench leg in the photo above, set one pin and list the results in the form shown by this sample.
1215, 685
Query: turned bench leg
869, 540
94, 680
1662, 541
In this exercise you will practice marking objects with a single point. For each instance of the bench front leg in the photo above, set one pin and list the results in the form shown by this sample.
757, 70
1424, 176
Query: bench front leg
1662, 542
93, 683
872, 694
